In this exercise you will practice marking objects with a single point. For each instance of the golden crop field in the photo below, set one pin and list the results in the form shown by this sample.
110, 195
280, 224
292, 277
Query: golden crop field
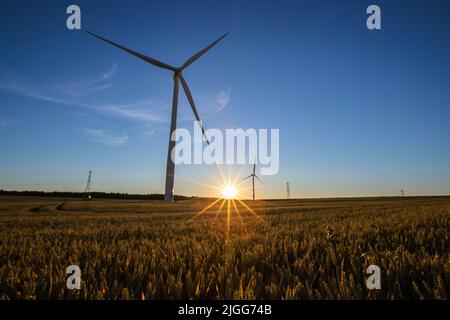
291, 249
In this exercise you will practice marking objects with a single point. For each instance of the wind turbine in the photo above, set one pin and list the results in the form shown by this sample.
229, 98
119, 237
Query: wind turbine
253, 176
177, 78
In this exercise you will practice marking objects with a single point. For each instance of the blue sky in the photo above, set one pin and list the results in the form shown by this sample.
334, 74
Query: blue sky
360, 112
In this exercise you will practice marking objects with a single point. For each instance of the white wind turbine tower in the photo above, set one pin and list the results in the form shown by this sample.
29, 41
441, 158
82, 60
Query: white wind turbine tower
177, 77
253, 176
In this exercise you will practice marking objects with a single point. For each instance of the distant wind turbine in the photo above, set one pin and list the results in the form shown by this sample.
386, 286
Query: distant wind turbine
253, 176
177, 77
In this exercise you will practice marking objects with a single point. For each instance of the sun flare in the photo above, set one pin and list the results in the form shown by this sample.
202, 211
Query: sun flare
229, 192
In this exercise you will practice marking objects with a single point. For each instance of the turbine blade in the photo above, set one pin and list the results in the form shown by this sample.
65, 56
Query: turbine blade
191, 102
200, 53
258, 178
134, 53
246, 178
254, 168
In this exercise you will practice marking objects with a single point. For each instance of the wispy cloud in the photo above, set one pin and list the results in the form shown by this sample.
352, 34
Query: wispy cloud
75, 93
83, 93
106, 137
148, 134
7, 122
99, 83
149, 110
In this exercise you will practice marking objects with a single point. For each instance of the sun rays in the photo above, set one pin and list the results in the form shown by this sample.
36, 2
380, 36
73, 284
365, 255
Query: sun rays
205, 209
231, 211
227, 205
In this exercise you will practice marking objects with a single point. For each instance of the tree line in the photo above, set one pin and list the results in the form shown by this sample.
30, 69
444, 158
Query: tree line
94, 195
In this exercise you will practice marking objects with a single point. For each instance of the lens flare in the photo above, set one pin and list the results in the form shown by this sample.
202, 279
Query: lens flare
229, 192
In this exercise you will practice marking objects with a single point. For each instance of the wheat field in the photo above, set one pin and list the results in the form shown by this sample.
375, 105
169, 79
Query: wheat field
290, 249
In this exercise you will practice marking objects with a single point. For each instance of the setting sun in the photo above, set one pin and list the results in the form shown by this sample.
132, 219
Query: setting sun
229, 192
